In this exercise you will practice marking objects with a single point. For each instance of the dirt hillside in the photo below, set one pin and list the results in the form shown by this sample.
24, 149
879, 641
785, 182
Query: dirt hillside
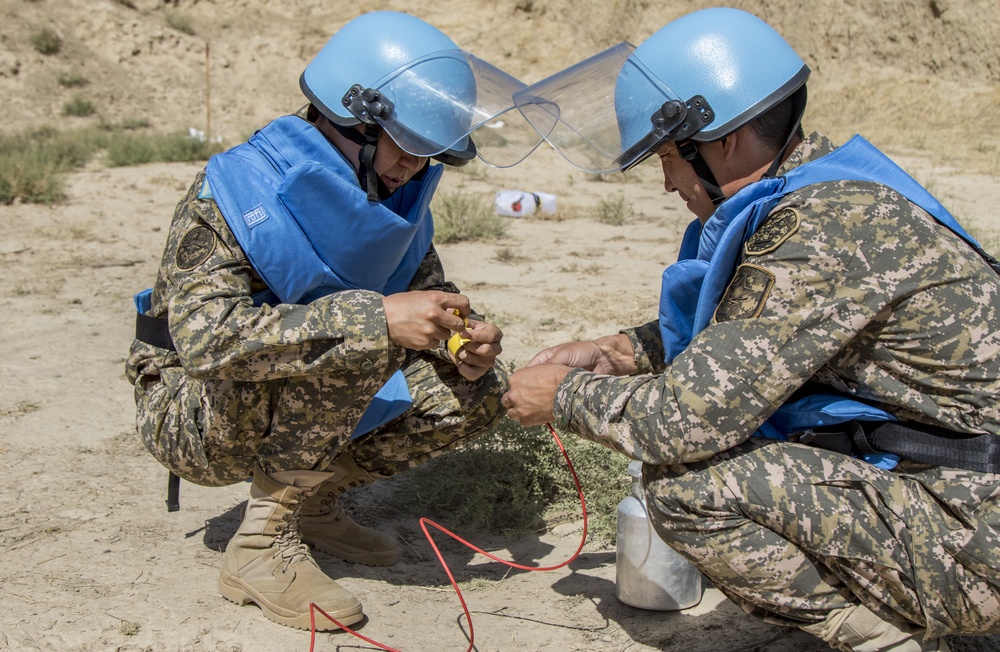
228, 66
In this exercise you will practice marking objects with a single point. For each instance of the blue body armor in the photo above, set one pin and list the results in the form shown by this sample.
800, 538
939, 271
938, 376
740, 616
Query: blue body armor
693, 286
294, 205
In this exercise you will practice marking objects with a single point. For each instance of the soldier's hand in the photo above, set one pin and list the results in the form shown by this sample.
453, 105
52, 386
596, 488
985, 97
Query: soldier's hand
532, 393
422, 320
479, 354
581, 355
611, 355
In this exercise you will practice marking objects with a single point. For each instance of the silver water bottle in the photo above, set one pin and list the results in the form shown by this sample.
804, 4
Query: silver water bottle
650, 574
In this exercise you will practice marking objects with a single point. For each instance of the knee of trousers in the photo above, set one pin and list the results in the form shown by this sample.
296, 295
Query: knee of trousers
716, 488
170, 423
486, 410
685, 501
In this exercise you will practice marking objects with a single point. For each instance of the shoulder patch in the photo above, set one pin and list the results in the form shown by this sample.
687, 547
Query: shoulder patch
195, 248
746, 294
777, 228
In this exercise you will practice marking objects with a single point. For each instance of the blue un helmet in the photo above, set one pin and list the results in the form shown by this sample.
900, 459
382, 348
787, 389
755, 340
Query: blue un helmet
697, 79
395, 72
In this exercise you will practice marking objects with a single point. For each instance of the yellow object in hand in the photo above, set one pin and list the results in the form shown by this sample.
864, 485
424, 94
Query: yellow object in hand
456, 341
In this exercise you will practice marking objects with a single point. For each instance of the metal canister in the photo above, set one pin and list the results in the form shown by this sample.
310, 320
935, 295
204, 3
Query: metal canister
650, 574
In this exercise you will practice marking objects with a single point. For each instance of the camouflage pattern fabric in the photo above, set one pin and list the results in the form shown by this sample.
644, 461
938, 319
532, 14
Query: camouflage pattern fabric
848, 285
447, 411
283, 384
791, 533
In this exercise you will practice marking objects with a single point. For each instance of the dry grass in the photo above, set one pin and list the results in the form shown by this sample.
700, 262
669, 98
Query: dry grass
944, 120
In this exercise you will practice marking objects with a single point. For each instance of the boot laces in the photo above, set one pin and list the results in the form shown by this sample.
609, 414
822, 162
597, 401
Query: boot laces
325, 503
336, 510
288, 544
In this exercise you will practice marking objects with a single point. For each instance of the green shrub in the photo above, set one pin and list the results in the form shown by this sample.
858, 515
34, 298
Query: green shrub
25, 180
180, 21
509, 256
127, 124
36, 161
459, 217
515, 479
79, 107
71, 80
126, 149
46, 41
614, 210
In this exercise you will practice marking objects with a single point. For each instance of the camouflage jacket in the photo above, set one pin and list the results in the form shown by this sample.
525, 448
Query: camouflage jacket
856, 289
204, 287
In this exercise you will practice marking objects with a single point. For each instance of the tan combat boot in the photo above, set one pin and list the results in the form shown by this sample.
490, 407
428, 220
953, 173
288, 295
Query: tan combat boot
328, 527
266, 562
858, 629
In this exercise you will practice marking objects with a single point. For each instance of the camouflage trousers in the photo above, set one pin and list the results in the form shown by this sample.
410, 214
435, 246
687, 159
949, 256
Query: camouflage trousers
791, 533
214, 433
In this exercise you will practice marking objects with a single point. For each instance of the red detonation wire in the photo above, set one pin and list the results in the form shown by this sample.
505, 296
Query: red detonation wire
313, 608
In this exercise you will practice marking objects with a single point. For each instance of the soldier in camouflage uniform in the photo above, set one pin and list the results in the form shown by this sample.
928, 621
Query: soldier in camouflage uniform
271, 346
843, 287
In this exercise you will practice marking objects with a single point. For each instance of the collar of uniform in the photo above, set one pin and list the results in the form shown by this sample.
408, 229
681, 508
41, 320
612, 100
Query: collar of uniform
815, 146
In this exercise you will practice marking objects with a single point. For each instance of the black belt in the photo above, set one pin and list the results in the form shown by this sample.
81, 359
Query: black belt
912, 441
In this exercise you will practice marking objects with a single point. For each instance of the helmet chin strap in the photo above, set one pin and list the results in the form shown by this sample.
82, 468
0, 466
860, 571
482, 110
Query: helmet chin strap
688, 149
689, 152
798, 110
367, 177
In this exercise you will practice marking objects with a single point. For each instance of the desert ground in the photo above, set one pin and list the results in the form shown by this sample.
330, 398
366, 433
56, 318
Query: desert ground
89, 557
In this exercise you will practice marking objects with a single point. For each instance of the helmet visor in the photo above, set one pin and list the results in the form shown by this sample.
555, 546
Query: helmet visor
603, 114
439, 102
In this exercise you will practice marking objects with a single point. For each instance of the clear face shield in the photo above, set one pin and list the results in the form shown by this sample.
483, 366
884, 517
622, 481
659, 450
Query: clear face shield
439, 102
609, 112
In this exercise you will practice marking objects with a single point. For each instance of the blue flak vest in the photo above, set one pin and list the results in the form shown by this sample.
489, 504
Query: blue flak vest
693, 286
294, 205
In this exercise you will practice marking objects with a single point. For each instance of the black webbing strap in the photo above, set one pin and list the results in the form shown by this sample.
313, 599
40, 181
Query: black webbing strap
990, 260
931, 445
153, 331
912, 441
688, 150
173, 492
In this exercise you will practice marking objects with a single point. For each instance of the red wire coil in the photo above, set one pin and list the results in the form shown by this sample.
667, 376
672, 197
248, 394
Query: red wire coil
424, 522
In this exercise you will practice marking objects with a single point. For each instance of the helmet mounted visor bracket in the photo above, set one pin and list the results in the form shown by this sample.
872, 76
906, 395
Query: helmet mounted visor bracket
695, 115
366, 104
673, 121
